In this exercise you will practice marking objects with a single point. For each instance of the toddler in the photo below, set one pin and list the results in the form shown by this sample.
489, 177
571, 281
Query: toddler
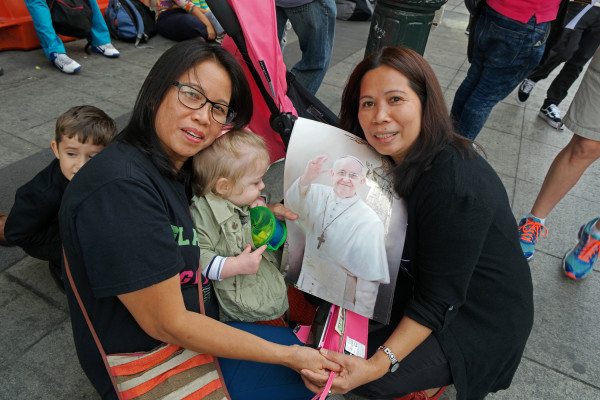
227, 183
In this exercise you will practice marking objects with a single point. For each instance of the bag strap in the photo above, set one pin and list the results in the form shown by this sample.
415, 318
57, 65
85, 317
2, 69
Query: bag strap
97, 340
575, 20
89, 323
215, 360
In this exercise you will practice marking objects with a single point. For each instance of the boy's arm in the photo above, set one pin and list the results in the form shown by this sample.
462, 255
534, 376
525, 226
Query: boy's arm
33, 219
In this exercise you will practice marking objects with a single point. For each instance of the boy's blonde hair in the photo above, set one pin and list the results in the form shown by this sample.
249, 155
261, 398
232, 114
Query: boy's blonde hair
87, 123
231, 156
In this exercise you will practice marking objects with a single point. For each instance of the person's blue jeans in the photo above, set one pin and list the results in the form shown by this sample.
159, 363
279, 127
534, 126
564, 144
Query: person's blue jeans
505, 52
51, 43
314, 23
249, 380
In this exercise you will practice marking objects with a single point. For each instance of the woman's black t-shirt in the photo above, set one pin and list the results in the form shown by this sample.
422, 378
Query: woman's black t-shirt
124, 227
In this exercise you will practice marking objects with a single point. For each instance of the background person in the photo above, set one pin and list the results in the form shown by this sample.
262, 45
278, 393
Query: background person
227, 183
129, 236
510, 37
52, 44
183, 19
568, 166
314, 23
32, 224
345, 259
463, 304
575, 47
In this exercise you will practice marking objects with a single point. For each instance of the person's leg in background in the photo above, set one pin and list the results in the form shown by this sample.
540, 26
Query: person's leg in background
282, 22
99, 36
561, 49
575, 47
563, 174
176, 24
314, 23
42, 22
588, 43
583, 117
499, 63
51, 44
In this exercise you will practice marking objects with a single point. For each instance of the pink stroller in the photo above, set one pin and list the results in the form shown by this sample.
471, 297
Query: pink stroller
251, 29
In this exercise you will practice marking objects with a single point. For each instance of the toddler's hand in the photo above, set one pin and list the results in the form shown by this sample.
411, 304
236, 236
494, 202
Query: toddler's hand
248, 261
259, 202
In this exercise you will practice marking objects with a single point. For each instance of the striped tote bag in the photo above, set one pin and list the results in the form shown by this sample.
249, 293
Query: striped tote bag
168, 372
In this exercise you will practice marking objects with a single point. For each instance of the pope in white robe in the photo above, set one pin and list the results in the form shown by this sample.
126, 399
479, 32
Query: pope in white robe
344, 257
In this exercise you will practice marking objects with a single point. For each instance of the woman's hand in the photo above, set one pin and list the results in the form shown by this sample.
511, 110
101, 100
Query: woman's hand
305, 358
355, 371
281, 212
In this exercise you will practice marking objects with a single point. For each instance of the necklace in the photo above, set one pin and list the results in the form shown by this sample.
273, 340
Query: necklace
321, 239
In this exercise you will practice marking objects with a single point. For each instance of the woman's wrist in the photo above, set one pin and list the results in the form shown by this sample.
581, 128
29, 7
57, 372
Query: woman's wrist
380, 364
283, 355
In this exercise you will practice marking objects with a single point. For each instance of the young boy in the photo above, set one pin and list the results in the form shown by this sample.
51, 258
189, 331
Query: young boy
227, 182
32, 224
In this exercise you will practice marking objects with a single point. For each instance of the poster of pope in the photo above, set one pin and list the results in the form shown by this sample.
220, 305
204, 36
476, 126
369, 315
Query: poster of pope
339, 249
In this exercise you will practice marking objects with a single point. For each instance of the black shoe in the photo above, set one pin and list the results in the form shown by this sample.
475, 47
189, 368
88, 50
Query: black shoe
524, 91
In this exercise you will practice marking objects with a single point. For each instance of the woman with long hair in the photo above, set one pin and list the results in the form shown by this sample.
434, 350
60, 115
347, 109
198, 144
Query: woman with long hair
463, 303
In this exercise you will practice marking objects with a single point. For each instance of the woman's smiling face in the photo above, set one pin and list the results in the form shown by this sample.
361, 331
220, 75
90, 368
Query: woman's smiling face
182, 131
389, 112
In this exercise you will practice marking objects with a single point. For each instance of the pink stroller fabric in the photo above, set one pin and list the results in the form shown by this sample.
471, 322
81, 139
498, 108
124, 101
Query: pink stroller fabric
259, 24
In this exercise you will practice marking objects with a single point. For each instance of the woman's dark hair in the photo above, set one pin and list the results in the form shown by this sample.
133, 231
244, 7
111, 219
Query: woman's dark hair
174, 62
437, 130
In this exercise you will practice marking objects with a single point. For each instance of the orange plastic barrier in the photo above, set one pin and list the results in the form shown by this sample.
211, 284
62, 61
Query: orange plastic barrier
16, 28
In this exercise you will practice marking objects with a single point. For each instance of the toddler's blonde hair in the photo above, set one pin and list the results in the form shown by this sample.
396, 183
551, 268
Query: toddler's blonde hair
231, 156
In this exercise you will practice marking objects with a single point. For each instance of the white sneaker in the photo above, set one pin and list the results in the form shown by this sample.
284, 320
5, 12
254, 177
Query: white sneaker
524, 91
107, 50
551, 115
64, 63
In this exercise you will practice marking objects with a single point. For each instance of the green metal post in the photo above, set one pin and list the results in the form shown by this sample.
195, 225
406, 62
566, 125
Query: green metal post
401, 23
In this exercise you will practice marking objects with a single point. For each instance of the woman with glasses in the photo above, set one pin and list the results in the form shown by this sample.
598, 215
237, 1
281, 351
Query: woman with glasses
131, 244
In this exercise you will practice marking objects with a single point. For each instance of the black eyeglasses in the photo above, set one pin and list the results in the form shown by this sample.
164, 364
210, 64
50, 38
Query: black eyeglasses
195, 99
